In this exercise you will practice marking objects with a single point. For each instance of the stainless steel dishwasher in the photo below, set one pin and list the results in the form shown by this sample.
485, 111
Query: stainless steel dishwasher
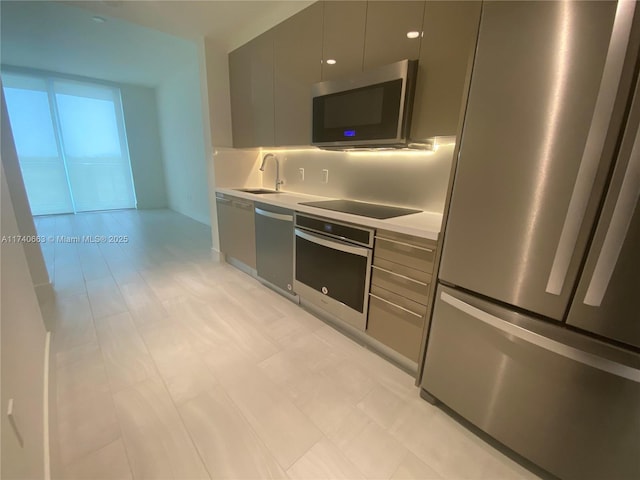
274, 245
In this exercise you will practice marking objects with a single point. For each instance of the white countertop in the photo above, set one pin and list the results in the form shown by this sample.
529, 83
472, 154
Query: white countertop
424, 224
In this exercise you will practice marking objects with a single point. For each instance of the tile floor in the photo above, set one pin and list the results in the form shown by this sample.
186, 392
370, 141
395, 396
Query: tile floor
171, 365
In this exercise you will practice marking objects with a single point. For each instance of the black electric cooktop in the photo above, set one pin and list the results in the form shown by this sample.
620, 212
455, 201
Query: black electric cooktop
371, 210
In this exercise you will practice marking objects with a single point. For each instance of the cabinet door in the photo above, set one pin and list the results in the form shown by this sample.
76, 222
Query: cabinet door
225, 214
343, 38
251, 82
244, 233
450, 31
298, 51
386, 38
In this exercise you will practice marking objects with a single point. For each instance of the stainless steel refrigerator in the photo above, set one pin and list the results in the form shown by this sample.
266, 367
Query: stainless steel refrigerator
535, 333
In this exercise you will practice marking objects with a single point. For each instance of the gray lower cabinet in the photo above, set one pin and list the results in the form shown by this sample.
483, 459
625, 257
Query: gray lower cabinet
400, 282
274, 240
236, 226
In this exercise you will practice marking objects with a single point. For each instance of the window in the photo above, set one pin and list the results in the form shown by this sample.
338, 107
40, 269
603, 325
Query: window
71, 144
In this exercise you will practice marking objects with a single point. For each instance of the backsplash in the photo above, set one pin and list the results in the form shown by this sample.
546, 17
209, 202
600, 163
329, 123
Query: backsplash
405, 178
236, 167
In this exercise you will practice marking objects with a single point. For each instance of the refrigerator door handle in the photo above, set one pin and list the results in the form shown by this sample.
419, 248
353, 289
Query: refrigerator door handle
593, 148
546, 343
618, 228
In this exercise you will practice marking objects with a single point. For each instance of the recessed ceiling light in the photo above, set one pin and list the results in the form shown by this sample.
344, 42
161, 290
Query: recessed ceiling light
413, 34
98, 19
331, 61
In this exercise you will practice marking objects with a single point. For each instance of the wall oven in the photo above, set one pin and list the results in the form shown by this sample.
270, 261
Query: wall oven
333, 265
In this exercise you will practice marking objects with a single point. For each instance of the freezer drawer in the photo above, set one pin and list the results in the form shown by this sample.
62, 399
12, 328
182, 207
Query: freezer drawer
566, 402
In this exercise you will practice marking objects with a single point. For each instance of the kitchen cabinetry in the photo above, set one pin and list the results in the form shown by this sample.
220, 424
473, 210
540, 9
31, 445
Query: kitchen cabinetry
251, 82
343, 38
271, 76
400, 282
387, 26
236, 226
274, 241
297, 55
450, 31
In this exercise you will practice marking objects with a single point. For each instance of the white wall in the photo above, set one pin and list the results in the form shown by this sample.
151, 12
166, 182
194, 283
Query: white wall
182, 131
22, 352
145, 151
35, 260
214, 78
215, 64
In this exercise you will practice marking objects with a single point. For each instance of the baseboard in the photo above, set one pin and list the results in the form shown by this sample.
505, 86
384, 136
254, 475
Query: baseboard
45, 407
216, 256
361, 338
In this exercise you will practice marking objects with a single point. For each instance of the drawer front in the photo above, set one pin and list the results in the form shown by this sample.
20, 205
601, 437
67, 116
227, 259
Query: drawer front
394, 325
404, 238
402, 280
397, 251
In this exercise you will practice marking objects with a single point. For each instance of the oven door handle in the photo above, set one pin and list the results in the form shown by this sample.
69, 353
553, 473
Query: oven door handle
334, 244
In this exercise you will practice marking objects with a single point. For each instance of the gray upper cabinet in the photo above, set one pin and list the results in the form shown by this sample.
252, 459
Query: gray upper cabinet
450, 31
387, 26
298, 51
343, 38
251, 80
271, 76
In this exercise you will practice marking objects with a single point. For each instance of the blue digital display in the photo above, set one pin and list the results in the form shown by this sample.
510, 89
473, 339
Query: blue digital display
349, 133
327, 227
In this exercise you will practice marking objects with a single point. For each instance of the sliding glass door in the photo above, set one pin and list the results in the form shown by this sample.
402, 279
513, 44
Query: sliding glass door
37, 143
71, 144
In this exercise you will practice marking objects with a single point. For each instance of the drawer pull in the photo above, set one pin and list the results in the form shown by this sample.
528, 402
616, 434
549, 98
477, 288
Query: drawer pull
405, 244
397, 306
401, 276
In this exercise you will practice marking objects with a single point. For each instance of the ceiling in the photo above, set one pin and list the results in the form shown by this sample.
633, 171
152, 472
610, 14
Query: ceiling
231, 23
141, 42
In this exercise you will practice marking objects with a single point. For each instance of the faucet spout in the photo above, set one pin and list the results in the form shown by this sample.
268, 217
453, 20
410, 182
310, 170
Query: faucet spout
264, 161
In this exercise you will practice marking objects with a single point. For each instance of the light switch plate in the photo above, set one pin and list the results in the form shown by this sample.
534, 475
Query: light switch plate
325, 175
301, 174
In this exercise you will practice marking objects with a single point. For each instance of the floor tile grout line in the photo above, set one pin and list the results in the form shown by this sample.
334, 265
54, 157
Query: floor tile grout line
175, 259
111, 395
175, 406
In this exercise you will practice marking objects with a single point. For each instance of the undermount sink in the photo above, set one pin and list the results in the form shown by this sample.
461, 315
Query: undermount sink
257, 191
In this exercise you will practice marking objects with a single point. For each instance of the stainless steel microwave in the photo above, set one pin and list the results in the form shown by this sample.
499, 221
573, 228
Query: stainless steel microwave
368, 110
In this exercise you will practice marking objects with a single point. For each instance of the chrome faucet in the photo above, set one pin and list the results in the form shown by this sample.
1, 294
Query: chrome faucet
264, 161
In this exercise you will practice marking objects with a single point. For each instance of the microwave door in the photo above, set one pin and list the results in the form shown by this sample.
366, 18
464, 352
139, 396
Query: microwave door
370, 109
